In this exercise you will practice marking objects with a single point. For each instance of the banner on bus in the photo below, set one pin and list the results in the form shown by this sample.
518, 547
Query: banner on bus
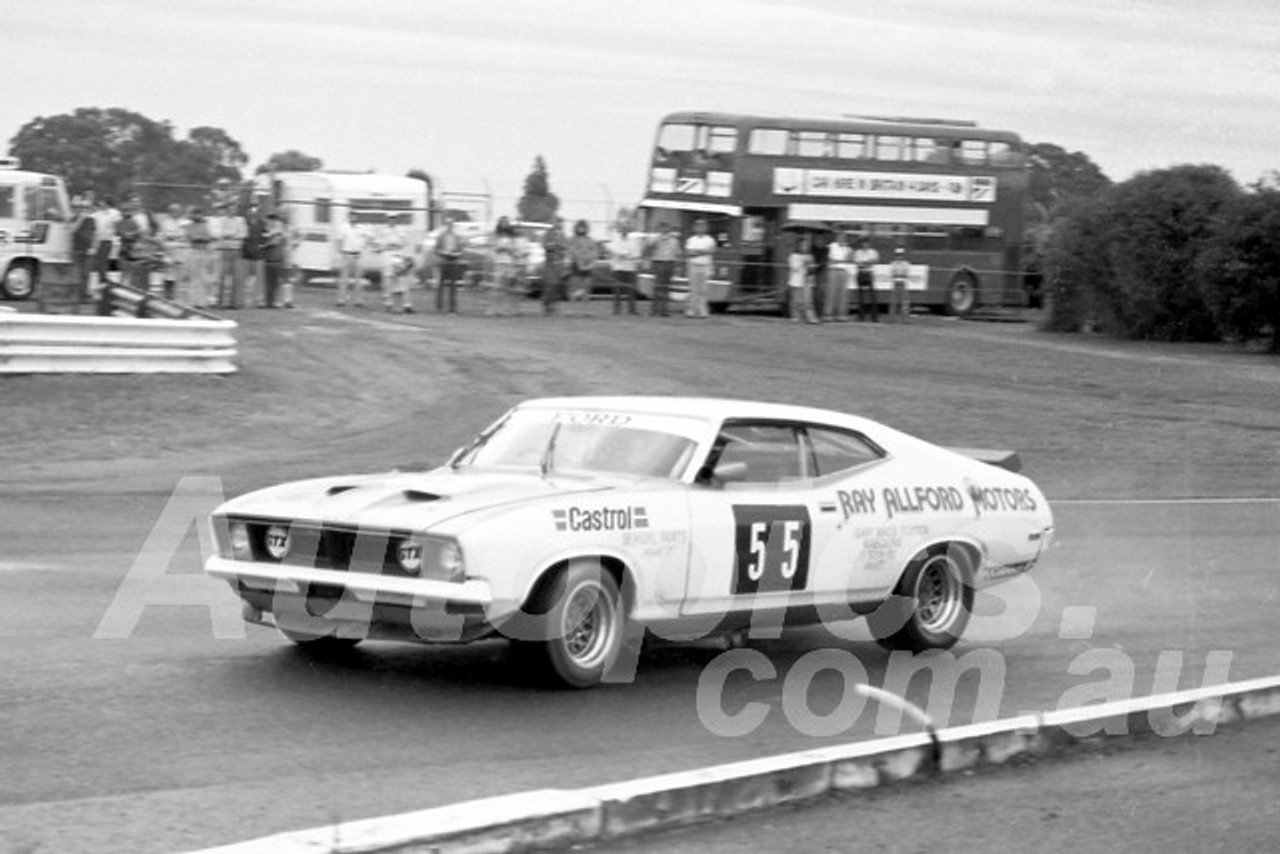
793, 181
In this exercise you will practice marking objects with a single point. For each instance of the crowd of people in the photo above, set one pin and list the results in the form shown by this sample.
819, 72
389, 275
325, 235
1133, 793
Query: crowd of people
229, 259
221, 258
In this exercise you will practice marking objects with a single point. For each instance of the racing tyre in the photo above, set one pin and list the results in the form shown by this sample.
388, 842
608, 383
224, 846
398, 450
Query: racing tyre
326, 645
962, 295
931, 604
19, 282
582, 627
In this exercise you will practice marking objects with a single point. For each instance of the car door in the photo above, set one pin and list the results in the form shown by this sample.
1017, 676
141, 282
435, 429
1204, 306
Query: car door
754, 528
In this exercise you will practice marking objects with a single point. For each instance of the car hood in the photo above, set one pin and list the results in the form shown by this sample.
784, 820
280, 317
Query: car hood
406, 500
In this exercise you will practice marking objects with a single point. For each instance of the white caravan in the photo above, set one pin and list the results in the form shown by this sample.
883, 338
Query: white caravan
318, 204
35, 228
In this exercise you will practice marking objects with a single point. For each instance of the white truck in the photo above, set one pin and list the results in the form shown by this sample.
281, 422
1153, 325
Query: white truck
316, 205
35, 229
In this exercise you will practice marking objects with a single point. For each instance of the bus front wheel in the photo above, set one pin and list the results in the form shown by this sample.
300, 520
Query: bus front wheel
962, 295
19, 282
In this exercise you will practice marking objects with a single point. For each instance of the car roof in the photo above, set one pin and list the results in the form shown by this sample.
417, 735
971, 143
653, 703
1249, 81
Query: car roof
707, 408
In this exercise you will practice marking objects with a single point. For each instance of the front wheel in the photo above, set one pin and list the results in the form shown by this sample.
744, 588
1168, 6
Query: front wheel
582, 626
19, 282
930, 607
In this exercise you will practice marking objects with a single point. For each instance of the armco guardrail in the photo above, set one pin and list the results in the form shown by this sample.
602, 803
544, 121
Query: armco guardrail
133, 332
561, 818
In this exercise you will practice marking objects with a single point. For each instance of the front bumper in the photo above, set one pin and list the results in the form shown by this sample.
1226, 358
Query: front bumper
357, 604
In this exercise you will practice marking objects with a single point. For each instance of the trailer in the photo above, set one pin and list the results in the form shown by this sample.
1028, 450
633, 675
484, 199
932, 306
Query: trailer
316, 206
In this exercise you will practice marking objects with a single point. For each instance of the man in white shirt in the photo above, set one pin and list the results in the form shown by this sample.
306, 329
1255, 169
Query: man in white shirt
699, 251
624, 258
351, 242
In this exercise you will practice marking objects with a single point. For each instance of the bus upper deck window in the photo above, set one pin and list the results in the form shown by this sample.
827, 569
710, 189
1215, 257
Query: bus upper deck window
890, 148
929, 150
674, 138
722, 140
851, 146
810, 143
767, 141
972, 152
1003, 154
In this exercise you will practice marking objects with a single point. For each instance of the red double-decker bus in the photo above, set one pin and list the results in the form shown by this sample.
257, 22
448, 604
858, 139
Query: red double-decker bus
951, 193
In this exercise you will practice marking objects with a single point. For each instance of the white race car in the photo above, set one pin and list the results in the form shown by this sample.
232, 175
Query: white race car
571, 526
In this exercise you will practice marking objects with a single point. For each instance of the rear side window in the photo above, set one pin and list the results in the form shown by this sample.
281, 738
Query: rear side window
6, 202
837, 450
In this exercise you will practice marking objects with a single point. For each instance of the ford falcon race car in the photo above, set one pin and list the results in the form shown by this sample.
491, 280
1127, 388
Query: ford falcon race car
572, 526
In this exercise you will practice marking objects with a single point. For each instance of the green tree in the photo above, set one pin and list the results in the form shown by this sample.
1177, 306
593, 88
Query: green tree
291, 161
1127, 257
114, 151
1239, 271
538, 204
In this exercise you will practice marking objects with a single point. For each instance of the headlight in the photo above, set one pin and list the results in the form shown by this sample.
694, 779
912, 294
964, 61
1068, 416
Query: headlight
430, 557
277, 542
241, 548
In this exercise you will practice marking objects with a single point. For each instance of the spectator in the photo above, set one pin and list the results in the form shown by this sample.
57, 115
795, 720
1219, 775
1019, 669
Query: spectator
272, 251
106, 218
200, 258
393, 250
555, 251
134, 224
83, 244
229, 231
800, 267
583, 254
624, 258
699, 250
292, 272
448, 249
504, 268
351, 243
865, 257
251, 251
173, 237
835, 300
664, 253
899, 300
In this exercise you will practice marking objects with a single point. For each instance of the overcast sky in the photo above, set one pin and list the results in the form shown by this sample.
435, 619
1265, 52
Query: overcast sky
472, 91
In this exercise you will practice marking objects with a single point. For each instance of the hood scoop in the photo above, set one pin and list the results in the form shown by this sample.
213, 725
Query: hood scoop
419, 495
338, 490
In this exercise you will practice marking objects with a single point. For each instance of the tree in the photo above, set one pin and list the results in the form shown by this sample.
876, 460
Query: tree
1128, 255
291, 161
538, 204
1239, 271
112, 152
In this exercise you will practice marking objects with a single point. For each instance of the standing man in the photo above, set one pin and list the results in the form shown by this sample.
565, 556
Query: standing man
83, 244
900, 302
835, 297
865, 257
699, 250
272, 250
106, 217
395, 281
624, 258
251, 252
351, 242
199, 258
231, 231
555, 249
448, 249
663, 254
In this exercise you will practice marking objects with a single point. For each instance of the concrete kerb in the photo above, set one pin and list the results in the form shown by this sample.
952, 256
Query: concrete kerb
553, 818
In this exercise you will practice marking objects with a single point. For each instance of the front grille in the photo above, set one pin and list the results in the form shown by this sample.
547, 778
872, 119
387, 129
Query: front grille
330, 547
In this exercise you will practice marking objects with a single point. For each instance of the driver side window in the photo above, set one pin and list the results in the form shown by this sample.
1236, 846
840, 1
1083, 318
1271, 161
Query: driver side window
771, 453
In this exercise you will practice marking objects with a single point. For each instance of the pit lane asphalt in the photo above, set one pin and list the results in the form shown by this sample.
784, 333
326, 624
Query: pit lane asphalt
174, 739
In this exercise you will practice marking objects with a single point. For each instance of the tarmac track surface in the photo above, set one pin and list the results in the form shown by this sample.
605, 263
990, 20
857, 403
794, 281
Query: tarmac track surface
172, 738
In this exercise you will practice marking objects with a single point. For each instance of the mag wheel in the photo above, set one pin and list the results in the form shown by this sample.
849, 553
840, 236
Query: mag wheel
931, 604
582, 626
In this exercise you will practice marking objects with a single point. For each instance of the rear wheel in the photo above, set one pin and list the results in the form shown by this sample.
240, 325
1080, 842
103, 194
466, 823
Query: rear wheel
931, 605
962, 294
19, 282
581, 626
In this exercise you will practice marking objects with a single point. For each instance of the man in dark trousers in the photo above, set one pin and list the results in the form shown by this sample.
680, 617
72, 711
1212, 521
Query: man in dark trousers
83, 244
